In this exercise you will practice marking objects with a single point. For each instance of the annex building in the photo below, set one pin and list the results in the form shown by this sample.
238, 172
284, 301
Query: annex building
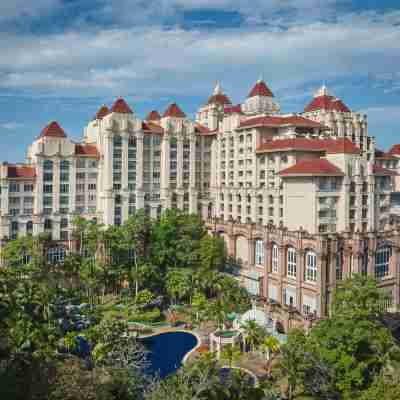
302, 200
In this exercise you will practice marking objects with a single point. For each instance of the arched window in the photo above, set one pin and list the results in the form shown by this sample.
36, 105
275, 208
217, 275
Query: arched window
29, 227
339, 265
382, 258
55, 254
291, 262
275, 258
311, 266
259, 253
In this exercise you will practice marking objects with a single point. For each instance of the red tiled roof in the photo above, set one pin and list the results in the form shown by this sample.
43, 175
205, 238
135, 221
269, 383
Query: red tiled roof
341, 146
151, 127
173, 110
330, 146
260, 89
89, 150
378, 170
233, 109
381, 155
318, 166
277, 121
153, 116
203, 130
53, 129
219, 99
120, 106
326, 102
395, 150
103, 111
21, 171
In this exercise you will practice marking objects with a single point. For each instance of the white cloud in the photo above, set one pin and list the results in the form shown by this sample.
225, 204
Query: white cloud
154, 61
10, 125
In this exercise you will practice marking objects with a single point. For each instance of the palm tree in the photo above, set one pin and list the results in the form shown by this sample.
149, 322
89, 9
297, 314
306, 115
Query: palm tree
253, 334
231, 354
270, 346
219, 311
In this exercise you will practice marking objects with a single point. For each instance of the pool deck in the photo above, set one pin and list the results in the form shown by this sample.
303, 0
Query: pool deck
249, 362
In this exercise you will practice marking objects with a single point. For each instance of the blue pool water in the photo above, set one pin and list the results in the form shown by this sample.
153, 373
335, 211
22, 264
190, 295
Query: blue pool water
167, 350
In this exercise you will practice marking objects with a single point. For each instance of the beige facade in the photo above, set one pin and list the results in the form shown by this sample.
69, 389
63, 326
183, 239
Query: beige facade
288, 192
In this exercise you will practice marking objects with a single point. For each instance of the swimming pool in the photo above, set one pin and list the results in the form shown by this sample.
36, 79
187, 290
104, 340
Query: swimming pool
167, 350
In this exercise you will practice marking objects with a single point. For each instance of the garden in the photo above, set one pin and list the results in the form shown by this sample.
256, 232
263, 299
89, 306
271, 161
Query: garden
77, 329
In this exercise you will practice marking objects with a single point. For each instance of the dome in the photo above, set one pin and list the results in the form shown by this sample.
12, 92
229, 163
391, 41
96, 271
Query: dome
260, 317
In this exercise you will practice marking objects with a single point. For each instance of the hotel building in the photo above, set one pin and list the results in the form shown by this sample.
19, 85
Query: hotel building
302, 200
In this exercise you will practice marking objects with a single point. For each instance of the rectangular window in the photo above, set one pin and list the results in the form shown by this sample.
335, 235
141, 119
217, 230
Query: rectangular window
80, 175
311, 266
291, 262
28, 187
259, 252
47, 188
64, 177
275, 258
48, 176
64, 200
64, 188
13, 187
92, 186
80, 163
47, 201
382, 258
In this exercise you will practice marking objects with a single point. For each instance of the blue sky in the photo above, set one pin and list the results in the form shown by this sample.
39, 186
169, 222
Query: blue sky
63, 59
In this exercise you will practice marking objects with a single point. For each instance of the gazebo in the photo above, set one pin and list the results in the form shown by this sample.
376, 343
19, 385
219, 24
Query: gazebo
220, 338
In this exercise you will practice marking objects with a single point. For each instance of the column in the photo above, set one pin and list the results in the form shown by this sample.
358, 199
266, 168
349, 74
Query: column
38, 190
108, 216
322, 283
192, 175
267, 268
214, 164
300, 277
56, 185
124, 177
165, 153
179, 163
139, 171
251, 252
254, 208
72, 185
282, 271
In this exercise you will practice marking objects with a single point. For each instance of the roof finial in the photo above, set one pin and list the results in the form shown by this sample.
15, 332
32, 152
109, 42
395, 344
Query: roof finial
260, 79
217, 89
322, 91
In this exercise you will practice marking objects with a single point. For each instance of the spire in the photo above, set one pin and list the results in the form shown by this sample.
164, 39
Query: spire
322, 91
218, 89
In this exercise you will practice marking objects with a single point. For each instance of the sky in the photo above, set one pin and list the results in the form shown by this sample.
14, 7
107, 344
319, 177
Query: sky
62, 59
